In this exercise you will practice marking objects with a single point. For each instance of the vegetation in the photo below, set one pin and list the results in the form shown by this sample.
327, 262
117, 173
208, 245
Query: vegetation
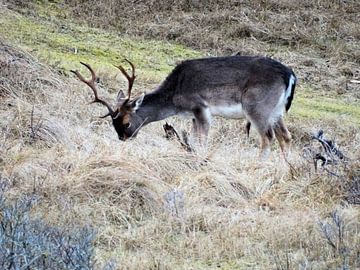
152, 204
65, 44
30, 244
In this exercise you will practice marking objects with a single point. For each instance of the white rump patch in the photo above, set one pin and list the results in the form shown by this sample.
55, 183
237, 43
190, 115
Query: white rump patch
280, 107
228, 111
288, 90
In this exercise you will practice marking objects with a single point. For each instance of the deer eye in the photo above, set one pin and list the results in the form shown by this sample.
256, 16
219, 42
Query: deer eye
127, 125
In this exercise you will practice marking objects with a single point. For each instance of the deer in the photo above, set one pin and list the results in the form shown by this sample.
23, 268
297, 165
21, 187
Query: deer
257, 88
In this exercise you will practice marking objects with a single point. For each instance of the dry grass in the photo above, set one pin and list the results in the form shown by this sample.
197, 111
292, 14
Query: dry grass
237, 213
232, 212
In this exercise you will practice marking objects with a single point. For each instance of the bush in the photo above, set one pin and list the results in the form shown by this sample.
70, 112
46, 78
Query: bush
27, 243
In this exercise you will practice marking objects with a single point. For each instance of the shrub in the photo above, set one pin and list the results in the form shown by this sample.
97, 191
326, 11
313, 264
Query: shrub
27, 243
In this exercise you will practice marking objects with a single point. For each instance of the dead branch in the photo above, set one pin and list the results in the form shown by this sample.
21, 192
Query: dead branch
171, 133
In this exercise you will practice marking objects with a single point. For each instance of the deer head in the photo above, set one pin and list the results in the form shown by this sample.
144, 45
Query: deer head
124, 118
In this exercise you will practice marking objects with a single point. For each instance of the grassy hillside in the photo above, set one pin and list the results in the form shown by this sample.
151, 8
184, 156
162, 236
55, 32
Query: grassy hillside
230, 210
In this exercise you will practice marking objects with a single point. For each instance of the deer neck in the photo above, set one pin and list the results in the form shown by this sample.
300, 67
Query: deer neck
156, 106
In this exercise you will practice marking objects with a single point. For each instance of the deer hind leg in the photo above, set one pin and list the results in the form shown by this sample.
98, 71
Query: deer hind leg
282, 135
266, 138
201, 123
264, 129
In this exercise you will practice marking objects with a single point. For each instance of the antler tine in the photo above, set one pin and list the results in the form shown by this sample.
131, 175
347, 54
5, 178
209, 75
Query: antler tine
91, 84
132, 67
131, 78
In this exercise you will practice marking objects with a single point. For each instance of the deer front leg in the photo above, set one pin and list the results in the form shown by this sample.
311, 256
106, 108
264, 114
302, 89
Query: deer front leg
201, 123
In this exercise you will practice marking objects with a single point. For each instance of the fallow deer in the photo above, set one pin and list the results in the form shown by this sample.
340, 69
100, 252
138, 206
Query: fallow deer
259, 89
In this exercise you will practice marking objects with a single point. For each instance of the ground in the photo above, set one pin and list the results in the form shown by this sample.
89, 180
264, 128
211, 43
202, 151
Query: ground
153, 204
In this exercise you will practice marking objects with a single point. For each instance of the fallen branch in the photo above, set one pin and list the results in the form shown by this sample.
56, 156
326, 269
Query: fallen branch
329, 146
171, 133
331, 155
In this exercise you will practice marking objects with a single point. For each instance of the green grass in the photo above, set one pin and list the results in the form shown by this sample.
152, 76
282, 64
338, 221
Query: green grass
307, 105
63, 44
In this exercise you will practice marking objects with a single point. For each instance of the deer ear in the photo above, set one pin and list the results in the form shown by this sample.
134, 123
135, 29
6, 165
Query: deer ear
137, 103
120, 96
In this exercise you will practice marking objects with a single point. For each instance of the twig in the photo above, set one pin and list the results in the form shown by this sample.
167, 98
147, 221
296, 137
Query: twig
34, 128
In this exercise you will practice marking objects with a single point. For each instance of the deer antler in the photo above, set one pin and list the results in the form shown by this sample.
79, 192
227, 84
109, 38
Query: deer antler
130, 79
91, 84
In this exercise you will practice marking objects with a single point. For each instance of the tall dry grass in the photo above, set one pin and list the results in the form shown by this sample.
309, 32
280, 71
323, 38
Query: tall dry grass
156, 206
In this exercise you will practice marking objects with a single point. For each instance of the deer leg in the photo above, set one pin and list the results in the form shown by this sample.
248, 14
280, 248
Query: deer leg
201, 123
279, 137
282, 135
247, 128
266, 139
195, 131
264, 129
